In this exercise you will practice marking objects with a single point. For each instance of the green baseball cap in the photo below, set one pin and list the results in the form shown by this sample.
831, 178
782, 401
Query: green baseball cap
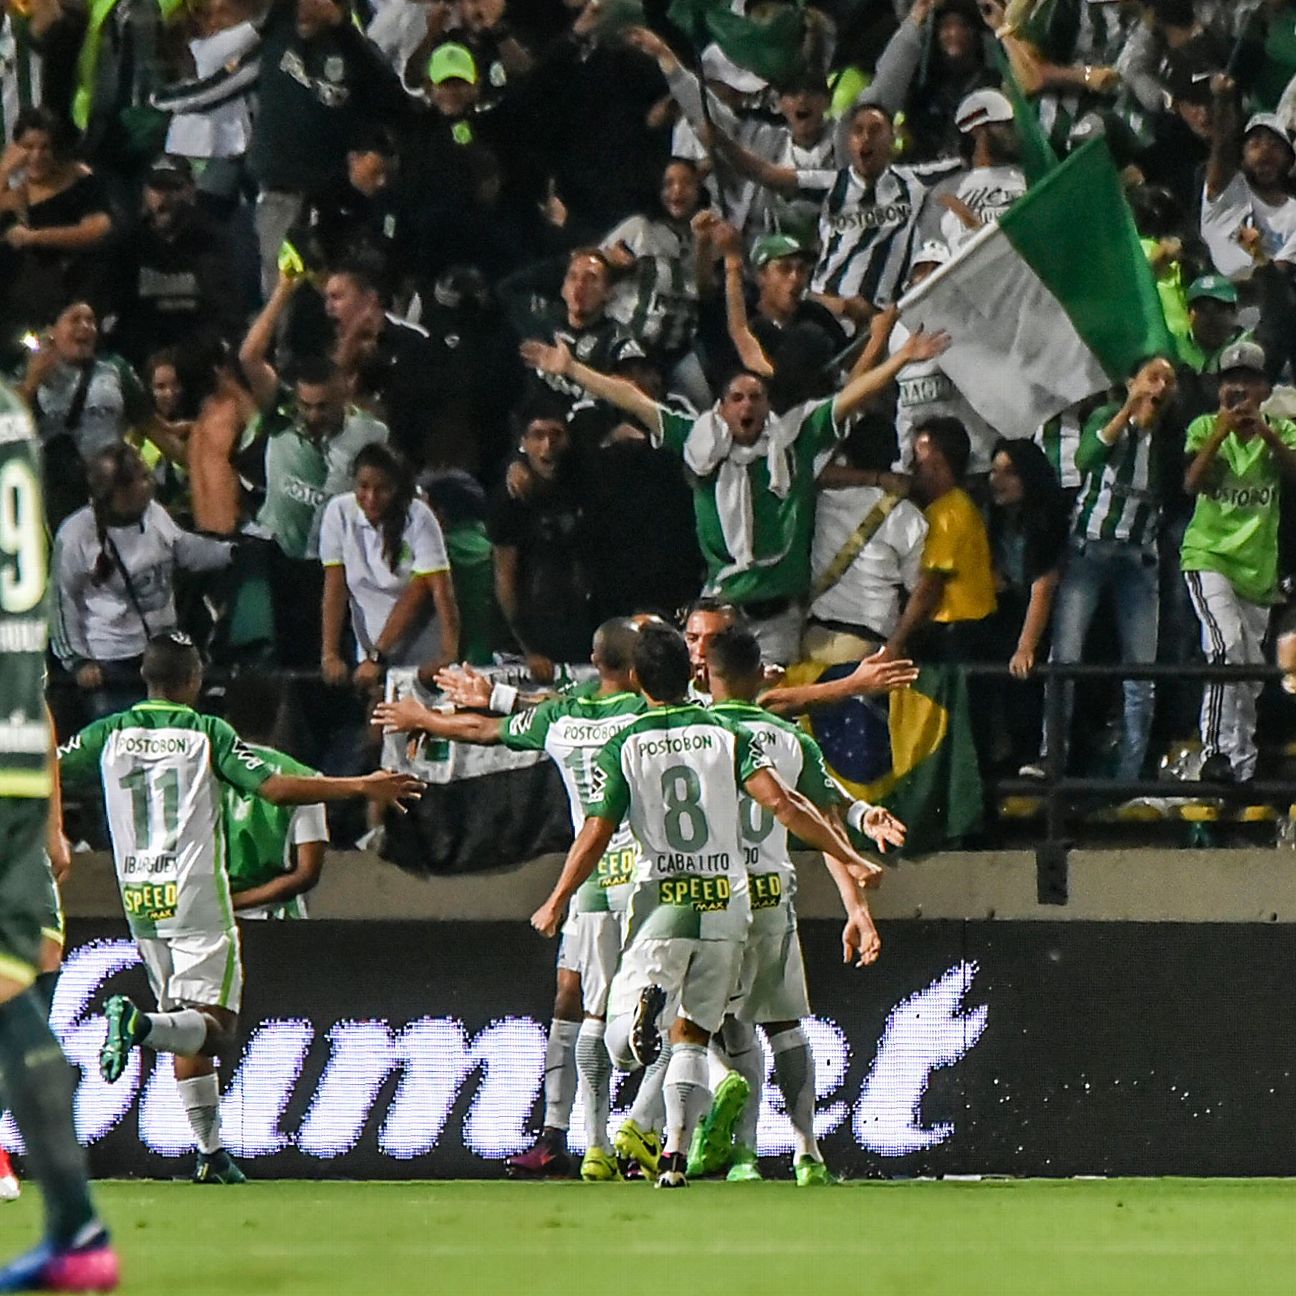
773, 247
452, 62
1216, 286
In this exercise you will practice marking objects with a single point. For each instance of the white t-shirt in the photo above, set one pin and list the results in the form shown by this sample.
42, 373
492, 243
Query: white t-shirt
868, 593
1236, 206
348, 540
987, 191
926, 392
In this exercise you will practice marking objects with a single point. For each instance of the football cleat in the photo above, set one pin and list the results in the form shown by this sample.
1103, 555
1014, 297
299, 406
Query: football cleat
91, 1266
124, 1032
711, 1150
599, 1166
217, 1168
639, 1146
645, 1038
744, 1168
546, 1158
812, 1174
672, 1172
10, 1188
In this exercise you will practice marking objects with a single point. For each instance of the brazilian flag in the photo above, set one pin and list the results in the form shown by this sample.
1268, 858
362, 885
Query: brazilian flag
911, 752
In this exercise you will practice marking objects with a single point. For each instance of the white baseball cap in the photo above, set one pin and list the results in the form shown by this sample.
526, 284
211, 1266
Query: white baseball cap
718, 66
982, 108
933, 252
1270, 122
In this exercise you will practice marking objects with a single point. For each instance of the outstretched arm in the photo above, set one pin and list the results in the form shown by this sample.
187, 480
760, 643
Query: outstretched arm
558, 360
383, 787
864, 386
409, 715
801, 817
582, 860
875, 674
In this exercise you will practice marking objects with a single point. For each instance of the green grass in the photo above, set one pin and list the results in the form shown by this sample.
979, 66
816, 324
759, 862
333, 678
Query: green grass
1186, 1237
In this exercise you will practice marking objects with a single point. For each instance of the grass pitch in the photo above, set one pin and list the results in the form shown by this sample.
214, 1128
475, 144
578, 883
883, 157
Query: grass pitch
1186, 1237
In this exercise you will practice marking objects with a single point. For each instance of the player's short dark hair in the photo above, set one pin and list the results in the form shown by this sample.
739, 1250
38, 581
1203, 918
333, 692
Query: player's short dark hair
171, 661
734, 374
661, 660
314, 371
252, 705
950, 437
711, 605
614, 643
734, 654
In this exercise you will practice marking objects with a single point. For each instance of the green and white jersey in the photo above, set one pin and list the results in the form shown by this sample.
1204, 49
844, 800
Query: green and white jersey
754, 506
1119, 491
796, 758
24, 569
302, 475
162, 766
573, 731
677, 772
261, 835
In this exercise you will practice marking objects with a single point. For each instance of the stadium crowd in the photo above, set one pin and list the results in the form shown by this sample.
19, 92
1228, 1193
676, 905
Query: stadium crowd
407, 332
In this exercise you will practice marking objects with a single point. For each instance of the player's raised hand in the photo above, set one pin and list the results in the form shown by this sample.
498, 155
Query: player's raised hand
884, 828
882, 673
388, 788
465, 687
401, 716
861, 943
555, 359
547, 919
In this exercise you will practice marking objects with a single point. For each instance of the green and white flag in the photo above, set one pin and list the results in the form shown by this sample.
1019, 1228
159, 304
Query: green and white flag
1052, 304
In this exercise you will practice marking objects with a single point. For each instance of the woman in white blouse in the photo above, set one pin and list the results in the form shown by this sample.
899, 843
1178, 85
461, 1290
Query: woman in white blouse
383, 552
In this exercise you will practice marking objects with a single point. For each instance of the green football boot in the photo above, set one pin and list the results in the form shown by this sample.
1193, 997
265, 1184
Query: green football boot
711, 1149
744, 1167
126, 1027
812, 1174
639, 1145
599, 1166
217, 1168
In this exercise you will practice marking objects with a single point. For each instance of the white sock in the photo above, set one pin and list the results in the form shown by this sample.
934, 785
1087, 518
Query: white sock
687, 1095
560, 1073
794, 1071
595, 1069
183, 1032
649, 1108
616, 1040
201, 1099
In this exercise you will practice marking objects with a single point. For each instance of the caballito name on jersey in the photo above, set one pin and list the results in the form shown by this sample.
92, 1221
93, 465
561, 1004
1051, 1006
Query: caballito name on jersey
683, 862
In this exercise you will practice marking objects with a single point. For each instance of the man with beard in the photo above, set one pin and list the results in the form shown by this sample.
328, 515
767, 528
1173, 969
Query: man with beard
175, 273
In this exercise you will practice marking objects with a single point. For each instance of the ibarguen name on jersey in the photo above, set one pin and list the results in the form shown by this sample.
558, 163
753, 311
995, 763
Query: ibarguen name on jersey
149, 862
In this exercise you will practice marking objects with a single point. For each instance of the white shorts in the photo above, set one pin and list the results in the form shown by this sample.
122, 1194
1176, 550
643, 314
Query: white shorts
591, 947
699, 977
205, 968
772, 984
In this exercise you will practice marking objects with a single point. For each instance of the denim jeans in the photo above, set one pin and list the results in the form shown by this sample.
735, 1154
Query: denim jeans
1129, 572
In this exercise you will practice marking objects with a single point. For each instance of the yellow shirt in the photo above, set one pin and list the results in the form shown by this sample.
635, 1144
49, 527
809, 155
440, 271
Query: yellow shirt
959, 548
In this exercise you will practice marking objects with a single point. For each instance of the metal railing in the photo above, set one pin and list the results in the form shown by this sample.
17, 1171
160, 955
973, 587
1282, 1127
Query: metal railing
1059, 791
